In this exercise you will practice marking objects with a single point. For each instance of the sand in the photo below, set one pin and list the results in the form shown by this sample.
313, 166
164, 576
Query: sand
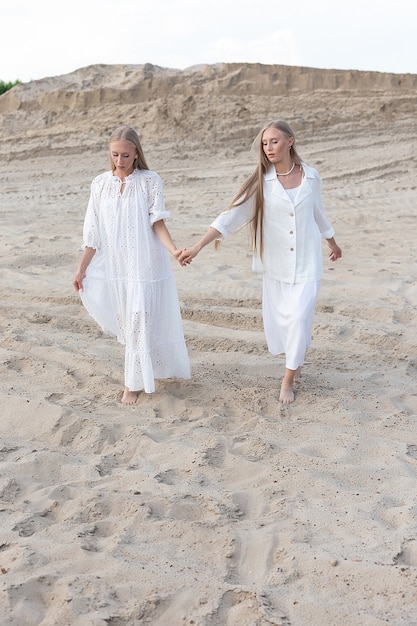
209, 503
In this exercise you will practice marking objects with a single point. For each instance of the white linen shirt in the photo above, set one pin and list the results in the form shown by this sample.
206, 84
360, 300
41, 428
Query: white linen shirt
292, 232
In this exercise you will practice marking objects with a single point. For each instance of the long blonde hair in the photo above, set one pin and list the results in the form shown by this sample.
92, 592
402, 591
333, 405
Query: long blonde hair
127, 133
253, 186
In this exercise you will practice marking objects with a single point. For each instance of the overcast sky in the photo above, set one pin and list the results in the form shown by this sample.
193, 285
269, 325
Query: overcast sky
41, 38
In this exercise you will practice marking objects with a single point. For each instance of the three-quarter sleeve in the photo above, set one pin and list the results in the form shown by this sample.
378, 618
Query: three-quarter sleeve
91, 233
232, 220
326, 229
155, 193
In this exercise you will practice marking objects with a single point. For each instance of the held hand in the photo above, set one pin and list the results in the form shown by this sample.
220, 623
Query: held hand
178, 255
187, 255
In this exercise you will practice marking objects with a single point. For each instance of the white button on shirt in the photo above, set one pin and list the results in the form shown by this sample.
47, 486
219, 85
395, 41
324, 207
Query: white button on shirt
293, 231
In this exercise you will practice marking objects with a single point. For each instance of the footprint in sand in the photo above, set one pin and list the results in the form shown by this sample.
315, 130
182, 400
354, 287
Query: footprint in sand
412, 451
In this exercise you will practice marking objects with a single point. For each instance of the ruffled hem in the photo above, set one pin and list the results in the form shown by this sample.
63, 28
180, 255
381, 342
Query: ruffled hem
161, 362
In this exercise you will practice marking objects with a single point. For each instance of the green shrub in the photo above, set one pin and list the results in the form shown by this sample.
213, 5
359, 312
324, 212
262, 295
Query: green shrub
6, 86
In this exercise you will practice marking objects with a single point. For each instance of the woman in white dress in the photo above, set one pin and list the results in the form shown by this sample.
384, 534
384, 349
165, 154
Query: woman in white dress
282, 202
124, 276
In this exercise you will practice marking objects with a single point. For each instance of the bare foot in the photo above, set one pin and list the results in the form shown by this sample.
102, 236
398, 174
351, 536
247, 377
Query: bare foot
286, 395
129, 397
297, 374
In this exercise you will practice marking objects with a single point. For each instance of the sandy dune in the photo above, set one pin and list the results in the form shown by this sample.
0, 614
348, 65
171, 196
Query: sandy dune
209, 503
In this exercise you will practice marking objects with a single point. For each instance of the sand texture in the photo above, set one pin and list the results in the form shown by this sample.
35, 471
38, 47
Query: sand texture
209, 503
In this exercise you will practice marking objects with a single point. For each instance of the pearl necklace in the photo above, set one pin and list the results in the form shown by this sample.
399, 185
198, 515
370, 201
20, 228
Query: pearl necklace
289, 171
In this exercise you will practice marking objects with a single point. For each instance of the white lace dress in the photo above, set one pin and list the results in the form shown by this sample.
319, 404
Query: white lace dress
129, 288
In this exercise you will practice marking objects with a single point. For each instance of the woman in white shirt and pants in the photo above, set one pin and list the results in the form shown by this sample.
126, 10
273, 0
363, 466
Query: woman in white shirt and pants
282, 202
